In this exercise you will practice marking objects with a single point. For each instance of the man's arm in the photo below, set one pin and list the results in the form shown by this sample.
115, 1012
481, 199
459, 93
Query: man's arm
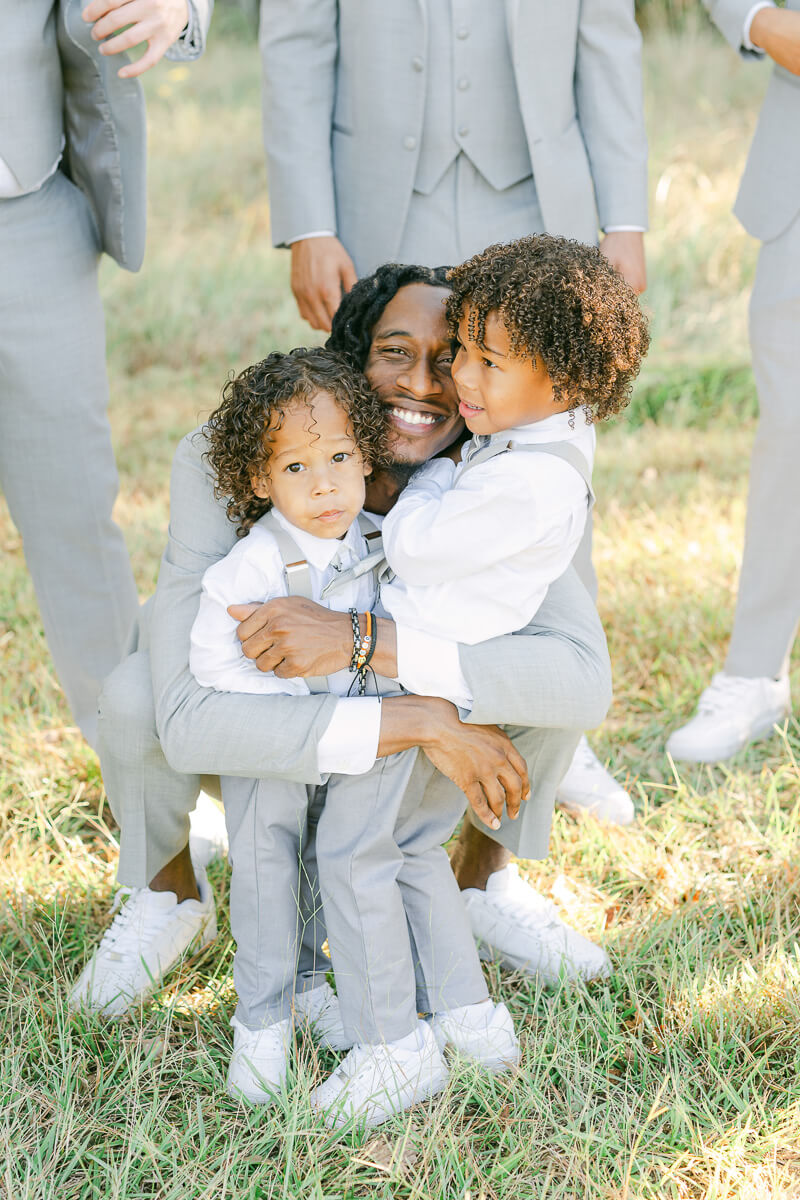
175, 28
757, 29
608, 94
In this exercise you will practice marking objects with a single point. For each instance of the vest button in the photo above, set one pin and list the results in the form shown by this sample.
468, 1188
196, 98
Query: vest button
463, 130
462, 32
463, 84
410, 143
418, 64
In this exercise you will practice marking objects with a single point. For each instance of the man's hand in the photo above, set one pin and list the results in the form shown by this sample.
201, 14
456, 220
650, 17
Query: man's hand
294, 637
157, 22
322, 271
481, 761
625, 251
777, 32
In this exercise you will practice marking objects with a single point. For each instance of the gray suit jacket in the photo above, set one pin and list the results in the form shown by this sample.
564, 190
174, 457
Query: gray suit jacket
340, 100
769, 194
555, 675
105, 131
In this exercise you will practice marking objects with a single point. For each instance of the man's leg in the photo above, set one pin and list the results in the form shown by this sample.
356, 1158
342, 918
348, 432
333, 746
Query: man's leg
751, 694
56, 461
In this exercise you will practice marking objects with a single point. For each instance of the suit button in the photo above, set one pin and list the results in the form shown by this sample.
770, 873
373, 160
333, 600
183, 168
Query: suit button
463, 84
463, 130
410, 143
418, 64
462, 32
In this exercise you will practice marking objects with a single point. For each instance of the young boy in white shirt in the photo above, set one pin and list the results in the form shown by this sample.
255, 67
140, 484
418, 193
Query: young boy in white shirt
290, 446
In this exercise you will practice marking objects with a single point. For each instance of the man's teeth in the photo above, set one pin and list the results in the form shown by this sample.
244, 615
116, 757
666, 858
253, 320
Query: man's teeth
408, 417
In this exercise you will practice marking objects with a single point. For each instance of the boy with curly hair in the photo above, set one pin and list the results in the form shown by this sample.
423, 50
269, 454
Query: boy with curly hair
290, 447
548, 339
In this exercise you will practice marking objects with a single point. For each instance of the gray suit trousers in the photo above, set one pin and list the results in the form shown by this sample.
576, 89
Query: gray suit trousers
57, 467
768, 605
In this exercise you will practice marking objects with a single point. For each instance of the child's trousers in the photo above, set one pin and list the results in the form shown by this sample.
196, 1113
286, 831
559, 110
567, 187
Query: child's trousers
396, 924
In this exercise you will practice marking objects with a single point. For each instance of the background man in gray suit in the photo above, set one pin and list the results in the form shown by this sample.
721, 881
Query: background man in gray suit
745, 699
72, 142
420, 131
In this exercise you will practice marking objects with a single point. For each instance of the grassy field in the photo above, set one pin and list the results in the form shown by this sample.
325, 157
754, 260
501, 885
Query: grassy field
676, 1078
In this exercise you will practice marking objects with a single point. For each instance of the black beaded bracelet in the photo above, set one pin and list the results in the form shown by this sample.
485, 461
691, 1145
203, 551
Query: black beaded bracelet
356, 638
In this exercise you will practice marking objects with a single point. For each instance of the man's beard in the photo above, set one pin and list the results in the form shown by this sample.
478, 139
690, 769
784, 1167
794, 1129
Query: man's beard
400, 472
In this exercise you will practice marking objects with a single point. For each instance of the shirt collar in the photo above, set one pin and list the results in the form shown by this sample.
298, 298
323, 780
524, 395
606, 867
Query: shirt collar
559, 427
320, 552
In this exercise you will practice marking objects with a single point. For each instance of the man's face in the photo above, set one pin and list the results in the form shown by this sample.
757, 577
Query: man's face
408, 366
315, 474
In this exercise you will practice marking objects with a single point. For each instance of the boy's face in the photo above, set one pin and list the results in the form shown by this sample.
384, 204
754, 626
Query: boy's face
498, 390
315, 475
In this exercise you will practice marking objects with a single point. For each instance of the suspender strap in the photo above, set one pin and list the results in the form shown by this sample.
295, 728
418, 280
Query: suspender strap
298, 580
564, 450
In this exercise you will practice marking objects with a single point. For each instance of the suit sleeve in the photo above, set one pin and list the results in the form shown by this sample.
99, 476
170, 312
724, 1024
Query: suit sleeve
729, 17
204, 731
299, 46
608, 96
554, 674
192, 42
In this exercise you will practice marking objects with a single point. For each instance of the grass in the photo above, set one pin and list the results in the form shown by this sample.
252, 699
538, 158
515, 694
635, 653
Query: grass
676, 1078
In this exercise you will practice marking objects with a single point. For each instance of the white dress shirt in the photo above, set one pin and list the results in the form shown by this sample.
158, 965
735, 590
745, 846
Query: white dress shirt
253, 571
475, 551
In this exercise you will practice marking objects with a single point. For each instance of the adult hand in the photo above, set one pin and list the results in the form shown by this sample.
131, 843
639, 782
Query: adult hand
294, 637
322, 271
157, 22
777, 32
625, 251
481, 760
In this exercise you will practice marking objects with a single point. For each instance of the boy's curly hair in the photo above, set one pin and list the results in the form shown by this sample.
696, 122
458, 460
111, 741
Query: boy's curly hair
563, 302
235, 431
362, 307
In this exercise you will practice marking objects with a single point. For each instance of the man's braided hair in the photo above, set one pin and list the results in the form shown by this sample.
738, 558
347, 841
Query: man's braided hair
562, 302
362, 307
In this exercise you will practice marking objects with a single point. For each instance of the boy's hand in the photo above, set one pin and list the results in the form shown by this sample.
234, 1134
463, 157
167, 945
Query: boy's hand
625, 251
157, 22
777, 32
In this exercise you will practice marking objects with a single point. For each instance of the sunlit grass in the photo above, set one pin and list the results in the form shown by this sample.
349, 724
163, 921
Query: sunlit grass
676, 1078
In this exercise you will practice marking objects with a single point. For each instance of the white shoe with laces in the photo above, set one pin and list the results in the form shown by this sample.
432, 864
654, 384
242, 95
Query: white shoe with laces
589, 788
483, 1032
732, 711
376, 1082
208, 834
318, 1010
147, 938
258, 1066
520, 929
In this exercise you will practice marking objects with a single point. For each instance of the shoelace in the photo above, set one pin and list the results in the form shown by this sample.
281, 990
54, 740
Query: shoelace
586, 758
532, 903
120, 929
720, 693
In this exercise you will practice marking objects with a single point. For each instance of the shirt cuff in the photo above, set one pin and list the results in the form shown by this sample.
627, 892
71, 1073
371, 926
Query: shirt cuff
624, 229
430, 666
190, 42
748, 21
349, 746
303, 237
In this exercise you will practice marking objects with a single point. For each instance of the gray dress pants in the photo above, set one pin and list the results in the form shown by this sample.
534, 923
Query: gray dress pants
768, 604
57, 468
397, 930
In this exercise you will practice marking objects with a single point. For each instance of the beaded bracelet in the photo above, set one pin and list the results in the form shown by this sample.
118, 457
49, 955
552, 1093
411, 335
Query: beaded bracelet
363, 647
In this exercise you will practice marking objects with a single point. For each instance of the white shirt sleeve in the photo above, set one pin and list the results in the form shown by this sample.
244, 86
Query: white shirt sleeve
430, 666
349, 746
251, 572
748, 21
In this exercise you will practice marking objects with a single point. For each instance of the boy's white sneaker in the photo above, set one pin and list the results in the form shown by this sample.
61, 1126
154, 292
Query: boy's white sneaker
376, 1082
589, 788
483, 1032
208, 834
257, 1070
147, 938
318, 1010
732, 711
520, 929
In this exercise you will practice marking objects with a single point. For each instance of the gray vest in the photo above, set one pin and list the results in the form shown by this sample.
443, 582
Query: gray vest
468, 108
31, 93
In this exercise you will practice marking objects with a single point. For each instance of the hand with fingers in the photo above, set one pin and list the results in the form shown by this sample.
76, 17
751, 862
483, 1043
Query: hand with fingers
128, 23
322, 271
294, 637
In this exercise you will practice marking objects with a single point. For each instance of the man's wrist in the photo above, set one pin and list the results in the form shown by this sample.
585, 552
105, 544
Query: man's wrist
749, 42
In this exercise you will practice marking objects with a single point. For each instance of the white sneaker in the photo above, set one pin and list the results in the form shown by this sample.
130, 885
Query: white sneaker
588, 787
515, 926
257, 1070
208, 836
732, 711
147, 938
484, 1032
318, 1010
375, 1082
